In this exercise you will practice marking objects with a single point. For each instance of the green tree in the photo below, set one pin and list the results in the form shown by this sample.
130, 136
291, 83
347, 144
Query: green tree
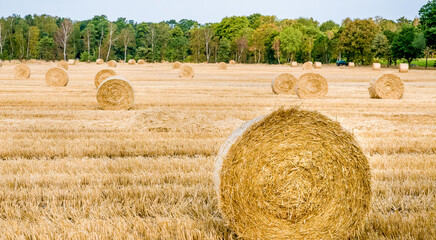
290, 39
126, 39
178, 44
231, 27
381, 47
224, 50
46, 47
402, 45
33, 42
427, 15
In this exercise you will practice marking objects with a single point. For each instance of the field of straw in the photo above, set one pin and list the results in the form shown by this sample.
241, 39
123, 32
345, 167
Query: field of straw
70, 170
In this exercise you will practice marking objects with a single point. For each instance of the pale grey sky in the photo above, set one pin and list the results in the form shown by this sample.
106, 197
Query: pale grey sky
213, 11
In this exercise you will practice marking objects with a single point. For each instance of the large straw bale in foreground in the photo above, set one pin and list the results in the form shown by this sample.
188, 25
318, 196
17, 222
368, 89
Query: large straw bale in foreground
222, 66
307, 66
112, 63
115, 93
404, 68
294, 174
387, 86
56, 77
176, 65
376, 66
131, 62
284, 84
99, 61
186, 71
311, 85
63, 64
22, 71
103, 75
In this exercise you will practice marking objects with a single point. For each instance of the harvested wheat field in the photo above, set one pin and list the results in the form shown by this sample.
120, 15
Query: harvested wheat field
71, 170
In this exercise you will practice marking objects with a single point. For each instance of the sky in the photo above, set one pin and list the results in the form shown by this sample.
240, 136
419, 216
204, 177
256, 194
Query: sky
205, 11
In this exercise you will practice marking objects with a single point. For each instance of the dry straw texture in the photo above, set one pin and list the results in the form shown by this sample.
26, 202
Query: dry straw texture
186, 71
71, 62
222, 66
115, 93
284, 84
76, 61
404, 68
176, 65
294, 174
63, 64
351, 64
132, 62
22, 71
232, 62
376, 66
317, 65
387, 86
99, 61
141, 61
103, 75
112, 63
56, 77
311, 85
307, 66
294, 64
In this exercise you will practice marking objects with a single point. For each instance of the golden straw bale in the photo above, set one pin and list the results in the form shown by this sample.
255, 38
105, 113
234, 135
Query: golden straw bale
22, 71
71, 62
293, 174
63, 64
317, 65
232, 62
56, 77
76, 61
387, 86
404, 68
131, 62
112, 63
351, 64
307, 66
141, 61
99, 61
176, 65
103, 75
376, 66
186, 71
115, 93
284, 84
294, 64
311, 85
121, 61
222, 66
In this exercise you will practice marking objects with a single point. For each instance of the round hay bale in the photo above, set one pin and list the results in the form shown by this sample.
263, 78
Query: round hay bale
317, 65
232, 62
387, 86
131, 62
112, 63
99, 61
294, 64
63, 64
22, 71
376, 66
311, 85
56, 77
103, 75
293, 174
351, 64
76, 61
222, 66
121, 61
71, 62
115, 93
404, 68
141, 61
176, 65
186, 71
284, 84
307, 66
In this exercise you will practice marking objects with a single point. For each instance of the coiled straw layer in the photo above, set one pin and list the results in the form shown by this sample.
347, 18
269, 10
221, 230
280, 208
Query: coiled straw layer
387, 86
176, 65
307, 66
186, 71
115, 93
222, 66
21, 71
311, 85
284, 83
56, 77
103, 75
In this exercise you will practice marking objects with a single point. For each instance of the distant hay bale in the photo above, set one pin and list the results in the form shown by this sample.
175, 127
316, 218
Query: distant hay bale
351, 64
121, 61
404, 68
387, 86
294, 64
56, 77
293, 174
311, 85
131, 62
141, 61
284, 84
22, 71
307, 66
103, 75
222, 66
71, 62
115, 93
63, 64
317, 65
99, 61
176, 65
76, 61
112, 63
376, 66
186, 71
232, 62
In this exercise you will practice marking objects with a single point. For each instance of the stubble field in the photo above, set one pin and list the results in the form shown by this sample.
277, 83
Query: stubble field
71, 171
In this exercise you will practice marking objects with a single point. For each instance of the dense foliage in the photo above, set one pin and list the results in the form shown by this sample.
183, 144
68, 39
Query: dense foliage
252, 39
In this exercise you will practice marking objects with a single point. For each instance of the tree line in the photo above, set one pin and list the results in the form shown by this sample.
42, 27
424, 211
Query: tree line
246, 39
